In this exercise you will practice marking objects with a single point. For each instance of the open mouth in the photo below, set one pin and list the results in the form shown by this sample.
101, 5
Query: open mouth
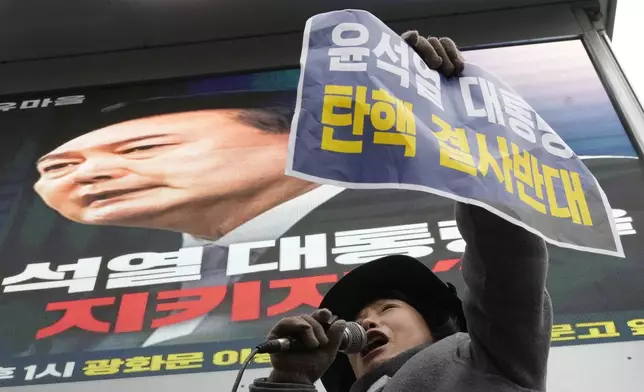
375, 340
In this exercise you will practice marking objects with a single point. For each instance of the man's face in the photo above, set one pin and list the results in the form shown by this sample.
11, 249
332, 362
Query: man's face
152, 172
393, 327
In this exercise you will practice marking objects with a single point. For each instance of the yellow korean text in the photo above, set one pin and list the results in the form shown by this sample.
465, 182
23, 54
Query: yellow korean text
347, 108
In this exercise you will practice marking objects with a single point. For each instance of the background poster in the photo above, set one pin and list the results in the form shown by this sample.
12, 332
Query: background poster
193, 171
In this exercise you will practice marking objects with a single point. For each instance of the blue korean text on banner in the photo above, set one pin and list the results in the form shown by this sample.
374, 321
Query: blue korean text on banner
371, 114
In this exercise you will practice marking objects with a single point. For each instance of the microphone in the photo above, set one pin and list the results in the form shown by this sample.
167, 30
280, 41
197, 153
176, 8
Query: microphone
354, 339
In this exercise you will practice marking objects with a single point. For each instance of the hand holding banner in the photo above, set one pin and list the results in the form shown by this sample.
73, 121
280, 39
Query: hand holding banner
371, 114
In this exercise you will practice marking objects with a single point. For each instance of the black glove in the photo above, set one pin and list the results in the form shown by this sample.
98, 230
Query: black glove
306, 366
441, 55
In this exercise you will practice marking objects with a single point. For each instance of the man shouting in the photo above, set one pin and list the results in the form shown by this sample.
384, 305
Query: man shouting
420, 337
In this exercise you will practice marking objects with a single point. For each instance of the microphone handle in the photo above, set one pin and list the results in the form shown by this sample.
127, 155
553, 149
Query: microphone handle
274, 346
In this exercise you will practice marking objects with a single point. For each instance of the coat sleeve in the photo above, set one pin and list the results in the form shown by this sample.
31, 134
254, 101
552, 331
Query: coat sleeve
506, 305
263, 385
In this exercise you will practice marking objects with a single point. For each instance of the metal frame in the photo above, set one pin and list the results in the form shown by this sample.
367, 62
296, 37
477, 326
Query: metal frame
615, 82
610, 15
476, 30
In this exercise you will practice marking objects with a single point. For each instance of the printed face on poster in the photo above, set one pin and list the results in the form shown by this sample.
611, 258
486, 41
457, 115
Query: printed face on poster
151, 229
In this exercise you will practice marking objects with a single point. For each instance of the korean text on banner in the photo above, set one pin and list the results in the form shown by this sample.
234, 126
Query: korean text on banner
371, 114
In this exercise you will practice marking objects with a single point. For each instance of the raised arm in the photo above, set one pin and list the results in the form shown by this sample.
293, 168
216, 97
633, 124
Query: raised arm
508, 310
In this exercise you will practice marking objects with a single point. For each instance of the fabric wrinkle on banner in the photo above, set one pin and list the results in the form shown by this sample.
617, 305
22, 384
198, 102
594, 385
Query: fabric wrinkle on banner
371, 114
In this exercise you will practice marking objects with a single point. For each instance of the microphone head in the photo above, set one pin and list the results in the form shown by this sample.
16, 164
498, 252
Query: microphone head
354, 339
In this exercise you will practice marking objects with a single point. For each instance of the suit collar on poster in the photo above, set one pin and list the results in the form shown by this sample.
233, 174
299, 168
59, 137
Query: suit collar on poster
273, 223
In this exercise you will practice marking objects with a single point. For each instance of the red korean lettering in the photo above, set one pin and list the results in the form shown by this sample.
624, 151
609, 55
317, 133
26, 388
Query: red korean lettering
208, 299
302, 291
246, 301
131, 313
77, 314
445, 265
